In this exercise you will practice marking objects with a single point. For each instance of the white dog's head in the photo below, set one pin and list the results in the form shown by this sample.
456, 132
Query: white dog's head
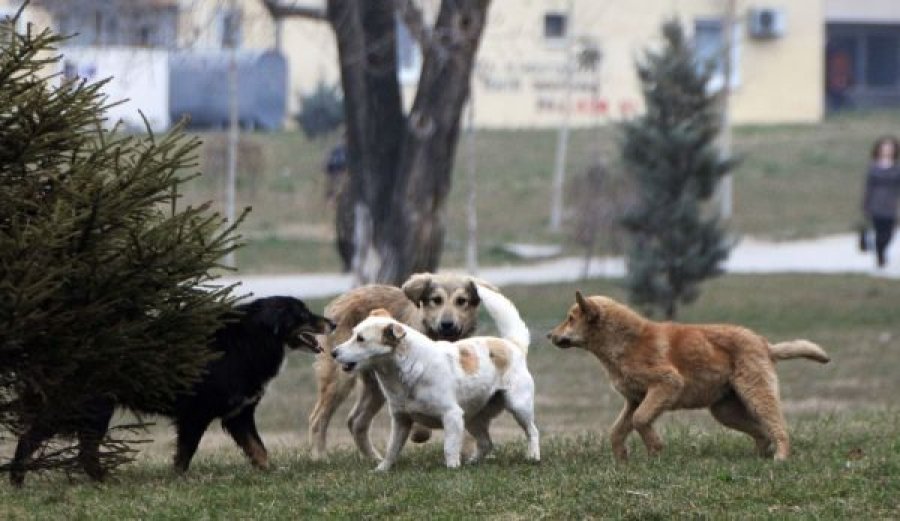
376, 336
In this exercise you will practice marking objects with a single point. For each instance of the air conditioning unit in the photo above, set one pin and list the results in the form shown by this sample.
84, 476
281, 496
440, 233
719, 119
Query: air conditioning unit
766, 23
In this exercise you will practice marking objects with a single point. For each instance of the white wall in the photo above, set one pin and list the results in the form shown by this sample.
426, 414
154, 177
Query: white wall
139, 76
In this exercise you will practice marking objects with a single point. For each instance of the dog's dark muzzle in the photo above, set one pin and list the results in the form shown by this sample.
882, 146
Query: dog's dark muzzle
449, 331
563, 342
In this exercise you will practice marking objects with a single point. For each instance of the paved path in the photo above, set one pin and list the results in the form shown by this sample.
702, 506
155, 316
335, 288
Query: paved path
830, 254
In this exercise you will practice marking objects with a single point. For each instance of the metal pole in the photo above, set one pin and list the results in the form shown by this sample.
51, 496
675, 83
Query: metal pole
726, 190
472, 221
233, 126
562, 142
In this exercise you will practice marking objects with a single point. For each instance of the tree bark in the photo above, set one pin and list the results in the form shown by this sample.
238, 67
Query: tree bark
401, 165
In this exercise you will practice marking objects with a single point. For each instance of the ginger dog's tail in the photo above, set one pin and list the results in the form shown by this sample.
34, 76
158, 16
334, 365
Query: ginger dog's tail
798, 349
506, 316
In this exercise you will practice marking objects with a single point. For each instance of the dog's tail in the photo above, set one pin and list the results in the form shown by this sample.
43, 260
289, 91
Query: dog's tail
798, 349
506, 316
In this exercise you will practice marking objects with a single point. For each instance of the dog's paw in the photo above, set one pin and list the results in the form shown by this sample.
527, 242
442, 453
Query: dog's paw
420, 434
381, 468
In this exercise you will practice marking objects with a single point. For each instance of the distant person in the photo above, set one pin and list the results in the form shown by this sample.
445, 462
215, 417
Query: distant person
881, 193
336, 171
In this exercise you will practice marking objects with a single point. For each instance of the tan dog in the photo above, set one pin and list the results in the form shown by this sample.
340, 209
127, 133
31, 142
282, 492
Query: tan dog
662, 366
443, 306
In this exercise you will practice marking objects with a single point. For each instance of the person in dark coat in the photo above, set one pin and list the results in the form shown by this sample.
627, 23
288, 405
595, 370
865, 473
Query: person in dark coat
881, 193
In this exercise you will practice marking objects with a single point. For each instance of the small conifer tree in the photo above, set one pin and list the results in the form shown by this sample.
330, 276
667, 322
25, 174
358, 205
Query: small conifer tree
106, 283
677, 237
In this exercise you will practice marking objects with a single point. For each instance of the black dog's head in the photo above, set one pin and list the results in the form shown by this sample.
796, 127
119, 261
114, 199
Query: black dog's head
290, 321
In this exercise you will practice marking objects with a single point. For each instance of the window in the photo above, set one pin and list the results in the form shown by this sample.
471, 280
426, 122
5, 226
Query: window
555, 26
709, 46
409, 56
230, 34
6, 15
882, 60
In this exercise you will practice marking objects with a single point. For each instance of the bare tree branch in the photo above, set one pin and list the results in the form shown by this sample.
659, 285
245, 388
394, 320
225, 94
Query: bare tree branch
412, 17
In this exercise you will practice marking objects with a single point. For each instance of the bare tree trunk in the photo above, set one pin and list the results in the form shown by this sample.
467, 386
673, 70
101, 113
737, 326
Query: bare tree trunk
401, 166
365, 36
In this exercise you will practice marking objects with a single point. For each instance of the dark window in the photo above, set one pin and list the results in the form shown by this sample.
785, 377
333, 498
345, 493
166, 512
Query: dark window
882, 60
555, 25
709, 41
231, 28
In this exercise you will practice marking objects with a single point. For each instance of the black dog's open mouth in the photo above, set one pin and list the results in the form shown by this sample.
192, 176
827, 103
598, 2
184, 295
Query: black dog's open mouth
305, 339
349, 366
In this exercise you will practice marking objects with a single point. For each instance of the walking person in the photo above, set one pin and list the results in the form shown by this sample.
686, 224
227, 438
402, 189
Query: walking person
881, 193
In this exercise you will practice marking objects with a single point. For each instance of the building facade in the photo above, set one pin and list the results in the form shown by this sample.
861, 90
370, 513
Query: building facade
791, 60
522, 78
862, 54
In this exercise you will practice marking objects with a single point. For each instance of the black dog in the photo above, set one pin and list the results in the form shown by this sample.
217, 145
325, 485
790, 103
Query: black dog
252, 344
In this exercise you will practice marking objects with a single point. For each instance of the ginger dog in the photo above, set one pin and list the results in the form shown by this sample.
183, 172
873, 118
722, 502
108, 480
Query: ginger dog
662, 366
458, 386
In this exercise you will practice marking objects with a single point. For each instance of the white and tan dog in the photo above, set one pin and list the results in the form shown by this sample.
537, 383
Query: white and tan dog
455, 385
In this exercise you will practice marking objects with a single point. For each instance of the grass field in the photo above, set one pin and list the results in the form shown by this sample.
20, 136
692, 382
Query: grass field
290, 228
842, 417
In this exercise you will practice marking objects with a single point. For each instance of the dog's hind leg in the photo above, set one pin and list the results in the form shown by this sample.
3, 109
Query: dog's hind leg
333, 388
369, 401
521, 406
28, 443
732, 413
620, 431
478, 427
756, 383
400, 427
242, 429
190, 430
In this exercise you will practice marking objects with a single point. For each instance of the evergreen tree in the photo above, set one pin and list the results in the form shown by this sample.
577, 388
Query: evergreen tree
105, 282
677, 237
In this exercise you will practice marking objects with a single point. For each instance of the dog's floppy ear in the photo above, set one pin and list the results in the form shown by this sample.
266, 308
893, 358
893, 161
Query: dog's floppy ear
417, 286
380, 312
472, 290
392, 334
589, 309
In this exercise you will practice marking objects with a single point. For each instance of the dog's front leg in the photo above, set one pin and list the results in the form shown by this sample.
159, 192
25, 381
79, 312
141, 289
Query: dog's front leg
620, 431
401, 424
454, 428
658, 399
